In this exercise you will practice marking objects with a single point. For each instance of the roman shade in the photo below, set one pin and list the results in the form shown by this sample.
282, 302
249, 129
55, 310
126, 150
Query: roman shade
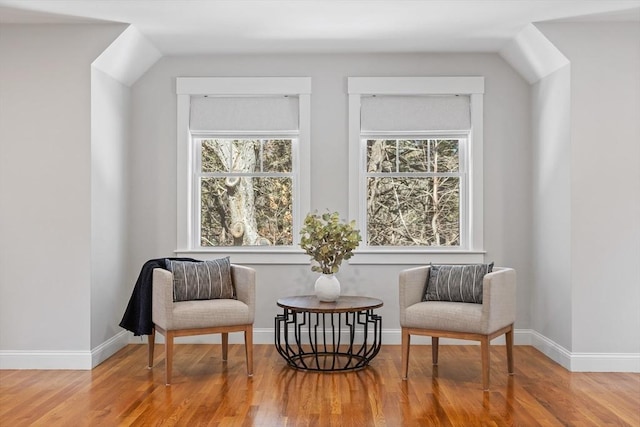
243, 113
415, 113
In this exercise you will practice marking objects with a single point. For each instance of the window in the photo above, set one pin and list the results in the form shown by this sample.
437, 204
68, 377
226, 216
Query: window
243, 165
244, 190
416, 167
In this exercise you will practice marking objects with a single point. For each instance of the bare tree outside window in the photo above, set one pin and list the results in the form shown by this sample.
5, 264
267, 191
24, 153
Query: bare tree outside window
245, 192
413, 192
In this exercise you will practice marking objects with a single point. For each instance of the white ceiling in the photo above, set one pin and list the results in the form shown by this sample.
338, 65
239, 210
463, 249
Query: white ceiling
181, 27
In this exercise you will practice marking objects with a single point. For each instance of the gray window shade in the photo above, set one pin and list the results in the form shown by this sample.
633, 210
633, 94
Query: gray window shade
415, 113
244, 113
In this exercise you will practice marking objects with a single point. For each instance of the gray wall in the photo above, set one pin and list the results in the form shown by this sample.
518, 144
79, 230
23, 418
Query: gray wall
551, 203
45, 184
605, 184
110, 141
507, 165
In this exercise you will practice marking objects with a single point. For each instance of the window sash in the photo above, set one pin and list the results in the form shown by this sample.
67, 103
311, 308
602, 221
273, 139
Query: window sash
461, 174
402, 215
198, 175
461, 137
275, 236
197, 139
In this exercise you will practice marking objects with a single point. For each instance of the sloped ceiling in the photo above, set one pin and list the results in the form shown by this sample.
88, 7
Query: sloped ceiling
532, 54
128, 57
294, 26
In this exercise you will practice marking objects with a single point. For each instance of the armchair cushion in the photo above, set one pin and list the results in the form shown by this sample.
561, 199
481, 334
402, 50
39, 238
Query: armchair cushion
202, 280
446, 316
211, 313
456, 283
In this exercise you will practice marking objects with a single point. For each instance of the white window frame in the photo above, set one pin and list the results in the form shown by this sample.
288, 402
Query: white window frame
187, 213
471, 249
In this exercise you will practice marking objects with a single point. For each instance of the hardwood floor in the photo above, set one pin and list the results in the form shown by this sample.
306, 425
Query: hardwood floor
207, 391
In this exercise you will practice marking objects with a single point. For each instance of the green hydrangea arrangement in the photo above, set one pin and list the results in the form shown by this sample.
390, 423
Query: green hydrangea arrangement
328, 241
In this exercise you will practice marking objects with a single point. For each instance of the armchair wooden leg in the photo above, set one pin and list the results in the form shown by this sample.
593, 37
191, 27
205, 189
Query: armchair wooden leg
168, 356
509, 340
151, 342
406, 341
248, 349
225, 345
435, 341
484, 348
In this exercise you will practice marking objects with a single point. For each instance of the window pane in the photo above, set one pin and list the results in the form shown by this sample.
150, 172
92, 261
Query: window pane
230, 155
381, 155
211, 150
246, 211
276, 155
413, 211
214, 212
413, 155
274, 214
445, 155
244, 155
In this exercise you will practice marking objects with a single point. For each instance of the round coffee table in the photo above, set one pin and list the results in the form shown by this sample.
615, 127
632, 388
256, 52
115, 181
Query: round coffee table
339, 336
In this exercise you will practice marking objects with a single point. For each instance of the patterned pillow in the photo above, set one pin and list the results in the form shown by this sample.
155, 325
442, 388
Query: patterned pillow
457, 283
201, 280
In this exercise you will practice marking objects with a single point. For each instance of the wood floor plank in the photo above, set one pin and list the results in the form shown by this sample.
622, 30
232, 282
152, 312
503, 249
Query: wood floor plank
207, 391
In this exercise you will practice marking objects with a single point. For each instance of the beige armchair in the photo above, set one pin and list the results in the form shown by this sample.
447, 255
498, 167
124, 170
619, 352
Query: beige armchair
467, 321
177, 319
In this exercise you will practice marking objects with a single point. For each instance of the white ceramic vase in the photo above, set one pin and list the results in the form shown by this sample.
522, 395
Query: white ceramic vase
327, 288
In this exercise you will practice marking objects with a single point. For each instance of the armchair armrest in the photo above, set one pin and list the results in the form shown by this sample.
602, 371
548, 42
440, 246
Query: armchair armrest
412, 283
499, 298
244, 280
162, 298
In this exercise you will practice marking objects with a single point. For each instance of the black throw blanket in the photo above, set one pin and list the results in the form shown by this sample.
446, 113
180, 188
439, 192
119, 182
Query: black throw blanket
137, 316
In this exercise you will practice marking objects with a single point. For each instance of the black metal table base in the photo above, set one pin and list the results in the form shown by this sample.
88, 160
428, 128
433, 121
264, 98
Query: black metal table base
328, 342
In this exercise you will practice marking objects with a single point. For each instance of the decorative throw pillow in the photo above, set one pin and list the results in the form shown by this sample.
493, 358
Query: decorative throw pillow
457, 283
201, 280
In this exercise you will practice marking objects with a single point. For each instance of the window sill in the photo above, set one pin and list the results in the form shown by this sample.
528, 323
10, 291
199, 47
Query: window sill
283, 256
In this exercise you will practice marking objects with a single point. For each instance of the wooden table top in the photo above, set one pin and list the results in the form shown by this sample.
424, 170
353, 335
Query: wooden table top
346, 303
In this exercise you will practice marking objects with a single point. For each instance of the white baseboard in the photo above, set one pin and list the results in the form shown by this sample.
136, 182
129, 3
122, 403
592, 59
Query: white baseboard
85, 360
605, 362
551, 349
63, 359
38, 359
586, 362
109, 348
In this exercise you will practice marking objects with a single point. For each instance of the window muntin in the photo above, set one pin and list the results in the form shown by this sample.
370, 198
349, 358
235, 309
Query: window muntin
244, 189
414, 191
